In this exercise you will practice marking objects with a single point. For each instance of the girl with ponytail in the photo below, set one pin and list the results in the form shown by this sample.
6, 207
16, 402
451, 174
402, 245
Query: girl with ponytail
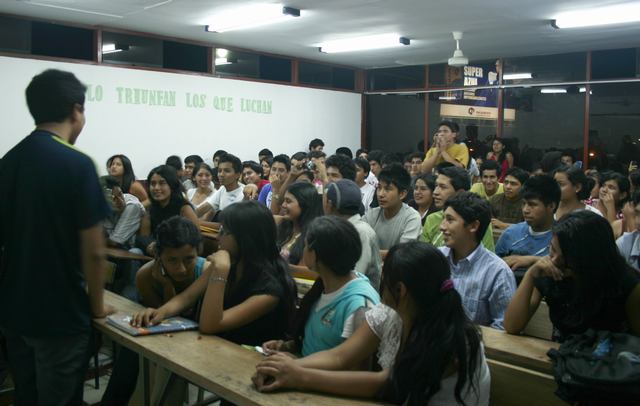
429, 350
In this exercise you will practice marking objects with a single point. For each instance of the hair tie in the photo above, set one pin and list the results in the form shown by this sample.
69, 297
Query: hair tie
447, 285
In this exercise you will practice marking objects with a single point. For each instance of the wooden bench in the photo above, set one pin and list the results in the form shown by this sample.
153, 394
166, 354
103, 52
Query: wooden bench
515, 386
520, 351
210, 362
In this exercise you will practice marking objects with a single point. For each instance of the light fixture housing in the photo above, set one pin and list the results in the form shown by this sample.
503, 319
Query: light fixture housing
619, 14
517, 76
113, 48
369, 42
251, 16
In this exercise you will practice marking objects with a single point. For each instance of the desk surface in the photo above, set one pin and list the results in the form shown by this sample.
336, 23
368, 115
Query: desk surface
521, 351
210, 362
124, 254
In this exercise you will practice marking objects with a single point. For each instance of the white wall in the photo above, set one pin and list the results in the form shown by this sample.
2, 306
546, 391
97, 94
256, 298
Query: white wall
147, 134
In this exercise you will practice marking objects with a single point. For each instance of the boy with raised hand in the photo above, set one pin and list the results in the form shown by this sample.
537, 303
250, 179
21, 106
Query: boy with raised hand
522, 244
51, 247
488, 185
446, 149
451, 180
393, 221
484, 281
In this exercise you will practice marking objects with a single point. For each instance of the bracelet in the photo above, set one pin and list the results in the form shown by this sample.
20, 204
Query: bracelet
214, 279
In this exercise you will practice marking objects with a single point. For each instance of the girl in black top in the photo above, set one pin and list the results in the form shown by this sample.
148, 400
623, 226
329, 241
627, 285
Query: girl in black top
247, 294
584, 280
167, 200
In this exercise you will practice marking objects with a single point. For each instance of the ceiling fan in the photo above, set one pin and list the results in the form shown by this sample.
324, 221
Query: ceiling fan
458, 59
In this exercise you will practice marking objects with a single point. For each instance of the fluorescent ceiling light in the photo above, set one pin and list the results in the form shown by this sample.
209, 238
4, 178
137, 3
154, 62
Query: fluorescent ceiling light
620, 14
446, 98
583, 89
514, 76
553, 90
251, 16
113, 48
364, 43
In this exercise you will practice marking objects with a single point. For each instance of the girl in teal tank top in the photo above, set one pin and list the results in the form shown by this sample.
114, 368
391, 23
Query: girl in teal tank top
335, 305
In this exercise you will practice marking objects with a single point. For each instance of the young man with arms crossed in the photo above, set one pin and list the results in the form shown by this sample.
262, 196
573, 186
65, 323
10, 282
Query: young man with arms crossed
51, 247
484, 281
450, 181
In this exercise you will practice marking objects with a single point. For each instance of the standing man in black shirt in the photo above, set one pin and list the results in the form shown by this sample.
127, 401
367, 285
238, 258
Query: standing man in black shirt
51, 247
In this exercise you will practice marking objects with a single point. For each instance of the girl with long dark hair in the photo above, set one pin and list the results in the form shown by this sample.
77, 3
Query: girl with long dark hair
422, 201
247, 294
300, 206
429, 350
575, 187
120, 167
334, 307
167, 200
584, 280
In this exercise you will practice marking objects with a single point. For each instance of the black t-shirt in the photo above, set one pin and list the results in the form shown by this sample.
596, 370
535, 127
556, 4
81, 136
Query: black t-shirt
50, 192
567, 316
270, 326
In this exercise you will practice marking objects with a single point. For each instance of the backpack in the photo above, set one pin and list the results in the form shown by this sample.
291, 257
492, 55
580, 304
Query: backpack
598, 367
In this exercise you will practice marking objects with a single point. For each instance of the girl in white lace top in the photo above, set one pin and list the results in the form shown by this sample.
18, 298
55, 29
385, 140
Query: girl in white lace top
429, 350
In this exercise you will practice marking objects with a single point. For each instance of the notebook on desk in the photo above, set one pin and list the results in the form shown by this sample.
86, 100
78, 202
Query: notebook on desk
170, 325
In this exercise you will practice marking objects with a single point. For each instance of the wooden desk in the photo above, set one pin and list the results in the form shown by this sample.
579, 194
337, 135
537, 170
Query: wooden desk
520, 351
119, 253
210, 362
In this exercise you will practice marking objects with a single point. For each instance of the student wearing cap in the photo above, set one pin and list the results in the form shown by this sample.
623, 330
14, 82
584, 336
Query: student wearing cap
342, 199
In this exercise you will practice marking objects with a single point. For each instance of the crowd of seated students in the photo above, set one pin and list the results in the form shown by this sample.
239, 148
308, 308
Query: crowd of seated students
369, 227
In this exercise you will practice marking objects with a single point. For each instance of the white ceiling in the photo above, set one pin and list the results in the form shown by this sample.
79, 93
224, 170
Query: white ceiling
492, 28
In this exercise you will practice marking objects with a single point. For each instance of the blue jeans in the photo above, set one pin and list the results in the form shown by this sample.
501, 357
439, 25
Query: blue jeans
48, 370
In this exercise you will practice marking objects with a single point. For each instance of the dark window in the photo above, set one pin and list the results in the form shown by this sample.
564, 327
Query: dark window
395, 123
536, 121
614, 133
61, 41
132, 50
272, 68
177, 55
405, 77
324, 75
615, 63
547, 68
15, 35
250, 65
